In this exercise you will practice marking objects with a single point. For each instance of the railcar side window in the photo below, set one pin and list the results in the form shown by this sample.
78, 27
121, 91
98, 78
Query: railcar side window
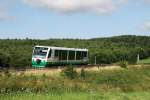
84, 54
78, 55
71, 55
63, 55
56, 53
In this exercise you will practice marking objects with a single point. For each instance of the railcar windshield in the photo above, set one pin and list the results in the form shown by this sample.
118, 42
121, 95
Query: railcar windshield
40, 51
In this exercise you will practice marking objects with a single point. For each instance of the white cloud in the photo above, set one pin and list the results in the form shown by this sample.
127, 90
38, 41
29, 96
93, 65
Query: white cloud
70, 6
147, 1
3, 14
146, 26
122, 2
4, 5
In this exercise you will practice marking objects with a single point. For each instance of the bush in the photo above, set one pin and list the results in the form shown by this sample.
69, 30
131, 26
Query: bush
69, 72
123, 64
4, 59
7, 73
83, 73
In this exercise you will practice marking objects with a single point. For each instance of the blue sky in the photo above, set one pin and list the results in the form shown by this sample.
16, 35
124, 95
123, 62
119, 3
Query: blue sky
80, 19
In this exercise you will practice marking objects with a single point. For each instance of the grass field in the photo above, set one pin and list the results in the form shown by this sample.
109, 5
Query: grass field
130, 83
79, 96
144, 61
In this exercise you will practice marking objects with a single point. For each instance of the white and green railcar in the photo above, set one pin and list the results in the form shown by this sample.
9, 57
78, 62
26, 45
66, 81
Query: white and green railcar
44, 56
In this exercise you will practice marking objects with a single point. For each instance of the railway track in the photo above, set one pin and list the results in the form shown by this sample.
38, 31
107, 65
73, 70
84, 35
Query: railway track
54, 70
57, 67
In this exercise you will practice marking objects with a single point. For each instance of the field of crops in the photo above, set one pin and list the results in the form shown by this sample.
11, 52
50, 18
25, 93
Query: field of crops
103, 84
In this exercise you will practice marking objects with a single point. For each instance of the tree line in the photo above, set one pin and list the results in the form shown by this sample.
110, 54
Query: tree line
18, 52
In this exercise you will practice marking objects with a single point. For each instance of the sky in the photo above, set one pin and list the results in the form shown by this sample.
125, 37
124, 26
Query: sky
78, 19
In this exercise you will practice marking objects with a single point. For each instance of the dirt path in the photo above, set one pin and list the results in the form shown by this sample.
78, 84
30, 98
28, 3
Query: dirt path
56, 71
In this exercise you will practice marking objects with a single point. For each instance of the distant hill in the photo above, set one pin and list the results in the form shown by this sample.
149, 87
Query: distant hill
17, 52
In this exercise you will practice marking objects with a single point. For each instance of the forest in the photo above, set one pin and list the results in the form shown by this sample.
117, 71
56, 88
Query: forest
18, 52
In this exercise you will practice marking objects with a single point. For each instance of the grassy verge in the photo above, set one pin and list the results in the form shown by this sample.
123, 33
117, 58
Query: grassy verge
144, 61
120, 83
79, 96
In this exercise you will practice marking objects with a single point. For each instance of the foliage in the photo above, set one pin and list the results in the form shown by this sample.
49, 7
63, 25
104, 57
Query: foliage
78, 96
129, 80
4, 59
144, 61
17, 52
69, 72
123, 64
83, 73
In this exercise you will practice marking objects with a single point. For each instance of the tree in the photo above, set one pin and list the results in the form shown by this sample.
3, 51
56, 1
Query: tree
4, 59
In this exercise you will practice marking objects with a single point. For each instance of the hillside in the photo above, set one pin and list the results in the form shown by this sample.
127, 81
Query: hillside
144, 61
17, 52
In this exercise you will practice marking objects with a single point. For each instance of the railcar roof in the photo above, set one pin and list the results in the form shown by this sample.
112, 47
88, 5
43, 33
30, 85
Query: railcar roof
63, 48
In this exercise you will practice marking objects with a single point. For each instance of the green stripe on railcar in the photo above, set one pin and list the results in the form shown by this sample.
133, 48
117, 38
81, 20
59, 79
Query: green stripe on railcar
59, 63
42, 64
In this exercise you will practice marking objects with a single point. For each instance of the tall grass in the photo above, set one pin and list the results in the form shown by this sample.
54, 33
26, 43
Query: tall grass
78, 96
123, 80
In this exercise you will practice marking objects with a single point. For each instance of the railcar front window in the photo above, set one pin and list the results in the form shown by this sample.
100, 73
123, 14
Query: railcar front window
40, 51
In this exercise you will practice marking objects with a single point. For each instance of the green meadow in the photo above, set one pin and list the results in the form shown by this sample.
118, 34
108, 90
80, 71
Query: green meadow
144, 61
130, 83
79, 96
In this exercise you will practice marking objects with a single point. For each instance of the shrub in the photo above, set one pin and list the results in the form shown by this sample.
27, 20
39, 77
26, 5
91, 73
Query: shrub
4, 59
83, 73
7, 73
69, 72
123, 64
